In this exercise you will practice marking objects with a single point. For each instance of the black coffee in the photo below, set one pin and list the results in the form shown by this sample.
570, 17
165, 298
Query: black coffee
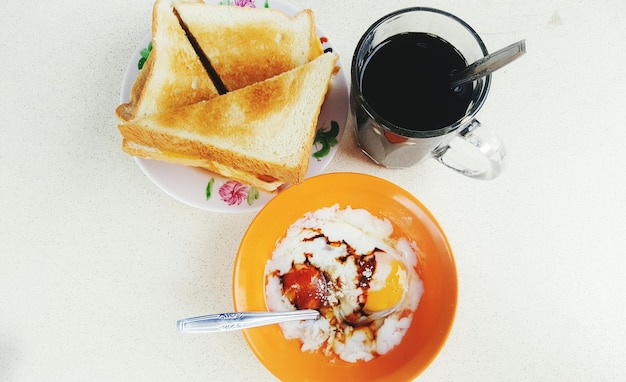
406, 80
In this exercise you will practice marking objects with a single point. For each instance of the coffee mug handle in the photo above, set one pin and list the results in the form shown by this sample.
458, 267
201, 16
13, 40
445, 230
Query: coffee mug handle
487, 165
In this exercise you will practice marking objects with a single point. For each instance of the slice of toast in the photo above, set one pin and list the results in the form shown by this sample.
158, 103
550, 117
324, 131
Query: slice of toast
267, 184
247, 45
265, 130
172, 75
242, 45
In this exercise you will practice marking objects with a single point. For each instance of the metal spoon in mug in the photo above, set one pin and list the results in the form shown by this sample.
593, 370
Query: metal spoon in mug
241, 320
487, 64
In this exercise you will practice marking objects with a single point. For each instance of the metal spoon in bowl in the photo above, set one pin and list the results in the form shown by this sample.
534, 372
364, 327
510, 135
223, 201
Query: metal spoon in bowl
487, 64
222, 322
241, 320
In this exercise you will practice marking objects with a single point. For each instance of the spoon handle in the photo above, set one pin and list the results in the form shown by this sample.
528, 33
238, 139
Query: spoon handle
241, 320
488, 64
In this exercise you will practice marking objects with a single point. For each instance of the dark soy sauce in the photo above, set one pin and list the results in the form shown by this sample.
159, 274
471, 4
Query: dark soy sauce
406, 80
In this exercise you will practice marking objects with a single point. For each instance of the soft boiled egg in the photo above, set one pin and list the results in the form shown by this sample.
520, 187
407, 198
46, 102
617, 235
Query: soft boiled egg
388, 285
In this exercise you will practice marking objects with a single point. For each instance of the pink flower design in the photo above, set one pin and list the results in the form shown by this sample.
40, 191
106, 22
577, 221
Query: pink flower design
244, 3
233, 192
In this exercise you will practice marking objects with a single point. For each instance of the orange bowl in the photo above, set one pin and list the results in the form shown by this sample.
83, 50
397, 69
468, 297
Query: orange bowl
432, 320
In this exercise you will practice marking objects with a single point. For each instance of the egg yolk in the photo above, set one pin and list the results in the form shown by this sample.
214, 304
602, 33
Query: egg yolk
390, 292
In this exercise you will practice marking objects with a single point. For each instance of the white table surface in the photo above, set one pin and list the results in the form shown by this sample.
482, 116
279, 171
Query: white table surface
97, 263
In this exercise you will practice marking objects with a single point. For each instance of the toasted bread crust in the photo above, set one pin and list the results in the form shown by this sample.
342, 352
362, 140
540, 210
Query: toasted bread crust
127, 111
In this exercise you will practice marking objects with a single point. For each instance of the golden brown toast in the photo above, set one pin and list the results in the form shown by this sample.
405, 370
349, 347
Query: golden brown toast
172, 75
267, 184
243, 46
265, 130
248, 45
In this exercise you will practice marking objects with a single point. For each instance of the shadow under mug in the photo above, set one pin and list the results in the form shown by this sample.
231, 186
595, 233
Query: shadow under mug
465, 146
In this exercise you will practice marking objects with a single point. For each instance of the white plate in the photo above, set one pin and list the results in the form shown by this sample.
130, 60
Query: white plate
202, 189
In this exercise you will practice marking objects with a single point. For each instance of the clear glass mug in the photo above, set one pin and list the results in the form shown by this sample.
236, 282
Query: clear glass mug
465, 146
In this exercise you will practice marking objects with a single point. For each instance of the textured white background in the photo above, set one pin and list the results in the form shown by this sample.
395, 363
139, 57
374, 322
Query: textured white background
97, 264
